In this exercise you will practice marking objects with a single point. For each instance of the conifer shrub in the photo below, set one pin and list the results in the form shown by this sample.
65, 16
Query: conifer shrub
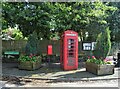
103, 45
31, 46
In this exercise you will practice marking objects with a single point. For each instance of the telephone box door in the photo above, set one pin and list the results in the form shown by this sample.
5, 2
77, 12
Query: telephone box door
69, 50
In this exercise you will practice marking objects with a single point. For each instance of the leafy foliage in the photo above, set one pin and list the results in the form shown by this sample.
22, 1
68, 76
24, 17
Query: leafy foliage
15, 33
82, 17
103, 44
32, 16
43, 16
114, 21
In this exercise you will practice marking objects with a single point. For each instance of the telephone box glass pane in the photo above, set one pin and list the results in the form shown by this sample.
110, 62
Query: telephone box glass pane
71, 52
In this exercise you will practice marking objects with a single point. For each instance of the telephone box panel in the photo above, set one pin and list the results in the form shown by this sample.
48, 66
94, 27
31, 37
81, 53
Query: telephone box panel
49, 50
69, 50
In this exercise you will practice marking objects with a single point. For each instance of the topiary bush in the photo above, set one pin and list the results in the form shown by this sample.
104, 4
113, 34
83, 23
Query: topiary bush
103, 45
31, 46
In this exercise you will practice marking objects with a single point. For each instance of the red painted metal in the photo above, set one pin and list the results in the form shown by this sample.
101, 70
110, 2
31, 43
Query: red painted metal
49, 50
69, 50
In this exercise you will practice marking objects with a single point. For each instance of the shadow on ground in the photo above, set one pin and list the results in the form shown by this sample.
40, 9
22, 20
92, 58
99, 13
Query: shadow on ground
52, 71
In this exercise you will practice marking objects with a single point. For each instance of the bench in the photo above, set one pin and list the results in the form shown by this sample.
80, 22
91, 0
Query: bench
11, 53
8, 54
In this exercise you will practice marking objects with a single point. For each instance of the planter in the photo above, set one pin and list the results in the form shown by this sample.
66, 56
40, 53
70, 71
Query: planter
30, 62
28, 65
100, 69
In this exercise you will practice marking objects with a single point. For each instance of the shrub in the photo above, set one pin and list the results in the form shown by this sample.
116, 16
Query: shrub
31, 46
103, 44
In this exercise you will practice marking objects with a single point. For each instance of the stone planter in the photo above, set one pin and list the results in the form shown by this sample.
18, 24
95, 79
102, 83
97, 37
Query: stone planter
100, 69
28, 65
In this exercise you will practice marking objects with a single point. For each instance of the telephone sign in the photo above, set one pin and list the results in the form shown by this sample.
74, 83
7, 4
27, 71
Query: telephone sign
70, 34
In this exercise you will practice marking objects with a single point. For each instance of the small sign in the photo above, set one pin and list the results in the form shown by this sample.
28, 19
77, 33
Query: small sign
88, 45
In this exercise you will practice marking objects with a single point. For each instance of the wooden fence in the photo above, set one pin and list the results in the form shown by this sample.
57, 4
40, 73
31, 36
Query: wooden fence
16, 45
19, 45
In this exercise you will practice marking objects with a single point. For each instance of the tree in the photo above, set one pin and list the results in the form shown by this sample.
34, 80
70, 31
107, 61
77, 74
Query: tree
114, 22
28, 16
81, 17
45, 17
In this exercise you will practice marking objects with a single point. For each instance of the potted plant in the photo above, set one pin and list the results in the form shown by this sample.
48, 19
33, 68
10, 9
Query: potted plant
30, 59
99, 66
30, 62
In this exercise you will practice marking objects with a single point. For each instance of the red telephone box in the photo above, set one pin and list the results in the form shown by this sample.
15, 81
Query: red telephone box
69, 50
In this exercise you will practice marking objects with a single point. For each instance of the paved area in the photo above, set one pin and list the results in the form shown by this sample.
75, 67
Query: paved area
54, 72
48, 83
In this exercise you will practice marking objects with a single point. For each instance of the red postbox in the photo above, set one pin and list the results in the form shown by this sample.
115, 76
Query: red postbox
69, 50
49, 50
